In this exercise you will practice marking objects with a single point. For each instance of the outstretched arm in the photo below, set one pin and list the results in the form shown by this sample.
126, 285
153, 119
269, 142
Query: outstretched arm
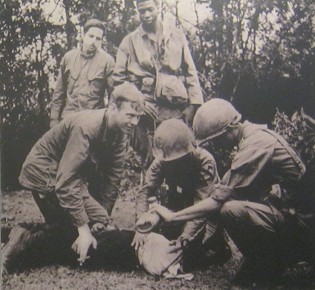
200, 209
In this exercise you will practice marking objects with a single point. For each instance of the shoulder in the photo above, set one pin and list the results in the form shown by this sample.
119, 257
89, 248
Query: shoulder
173, 32
102, 55
130, 37
256, 146
71, 53
203, 155
256, 135
89, 122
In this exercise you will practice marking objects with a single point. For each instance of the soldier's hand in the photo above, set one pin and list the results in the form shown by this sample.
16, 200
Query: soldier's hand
97, 228
165, 213
150, 110
83, 243
138, 240
189, 113
175, 245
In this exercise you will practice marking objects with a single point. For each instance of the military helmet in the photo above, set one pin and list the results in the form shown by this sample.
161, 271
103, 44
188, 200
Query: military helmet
172, 140
213, 118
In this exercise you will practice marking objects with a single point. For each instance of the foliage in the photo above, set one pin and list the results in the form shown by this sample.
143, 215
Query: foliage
258, 54
297, 132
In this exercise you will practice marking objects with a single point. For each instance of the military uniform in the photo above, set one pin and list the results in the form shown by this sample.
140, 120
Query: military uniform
162, 68
78, 152
81, 83
259, 196
188, 179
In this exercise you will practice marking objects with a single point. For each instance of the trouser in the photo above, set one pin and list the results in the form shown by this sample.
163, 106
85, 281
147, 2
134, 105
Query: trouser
265, 235
52, 212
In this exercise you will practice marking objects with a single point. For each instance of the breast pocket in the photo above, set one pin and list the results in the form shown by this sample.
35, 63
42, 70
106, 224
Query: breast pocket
97, 84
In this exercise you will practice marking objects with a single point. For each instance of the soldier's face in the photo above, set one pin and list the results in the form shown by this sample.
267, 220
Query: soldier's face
127, 117
225, 141
148, 12
92, 39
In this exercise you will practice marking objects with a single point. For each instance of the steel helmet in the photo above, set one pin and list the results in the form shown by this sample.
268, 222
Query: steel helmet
172, 140
213, 118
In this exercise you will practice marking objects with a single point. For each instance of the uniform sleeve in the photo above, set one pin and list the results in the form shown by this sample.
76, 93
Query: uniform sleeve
69, 181
191, 77
113, 175
60, 94
207, 179
108, 73
247, 166
120, 70
152, 181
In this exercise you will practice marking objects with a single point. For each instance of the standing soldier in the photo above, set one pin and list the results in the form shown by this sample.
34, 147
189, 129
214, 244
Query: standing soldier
258, 199
157, 59
84, 75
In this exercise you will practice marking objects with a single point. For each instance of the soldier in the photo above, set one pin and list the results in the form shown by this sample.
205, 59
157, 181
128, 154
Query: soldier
258, 198
187, 174
157, 59
84, 75
188, 171
86, 147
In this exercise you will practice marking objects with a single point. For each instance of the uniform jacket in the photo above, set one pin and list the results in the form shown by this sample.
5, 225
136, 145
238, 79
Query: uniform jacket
263, 159
140, 59
81, 83
69, 154
189, 179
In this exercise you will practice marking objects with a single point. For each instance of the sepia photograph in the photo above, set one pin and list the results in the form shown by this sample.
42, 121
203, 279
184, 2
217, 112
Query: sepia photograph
157, 144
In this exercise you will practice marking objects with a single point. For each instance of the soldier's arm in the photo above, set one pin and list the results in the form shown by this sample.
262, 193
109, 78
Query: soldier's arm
59, 96
113, 174
108, 75
120, 73
191, 76
153, 180
68, 179
208, 176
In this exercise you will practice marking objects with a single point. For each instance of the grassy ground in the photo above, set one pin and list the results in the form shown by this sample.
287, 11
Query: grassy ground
19, 207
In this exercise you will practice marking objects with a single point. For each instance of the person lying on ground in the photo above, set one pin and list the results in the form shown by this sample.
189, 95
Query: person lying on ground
31, 246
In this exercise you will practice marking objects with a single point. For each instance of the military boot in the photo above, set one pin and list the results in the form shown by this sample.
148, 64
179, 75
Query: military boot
15, 246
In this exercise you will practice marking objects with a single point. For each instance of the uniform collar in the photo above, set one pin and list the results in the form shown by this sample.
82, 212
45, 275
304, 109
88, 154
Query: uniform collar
107, 133
248, 128
87, 54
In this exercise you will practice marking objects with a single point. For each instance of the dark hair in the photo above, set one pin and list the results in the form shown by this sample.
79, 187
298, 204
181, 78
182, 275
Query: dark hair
140, 1
93, 22
127, 92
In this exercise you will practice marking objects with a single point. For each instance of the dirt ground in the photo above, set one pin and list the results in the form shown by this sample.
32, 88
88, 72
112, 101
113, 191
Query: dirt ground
19, 207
